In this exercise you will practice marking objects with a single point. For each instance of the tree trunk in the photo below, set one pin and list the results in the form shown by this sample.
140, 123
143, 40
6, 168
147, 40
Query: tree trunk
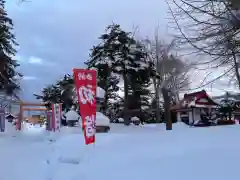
106, 88
167, 112
158, 107
156, 89
177, 98
104, 104
125, 109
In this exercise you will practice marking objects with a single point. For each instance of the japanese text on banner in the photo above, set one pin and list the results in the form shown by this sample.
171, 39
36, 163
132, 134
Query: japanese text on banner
86, 82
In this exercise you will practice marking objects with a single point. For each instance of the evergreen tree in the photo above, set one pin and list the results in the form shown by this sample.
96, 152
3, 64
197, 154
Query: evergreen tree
226, 107
8, 73
68, 93
63, 91
105, 59
112, 91
50, 94
140, 78
101, 59
127, 58
140, 82
118, 53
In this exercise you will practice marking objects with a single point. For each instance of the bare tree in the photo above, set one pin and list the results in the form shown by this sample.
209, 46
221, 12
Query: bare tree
171, 71
212, 28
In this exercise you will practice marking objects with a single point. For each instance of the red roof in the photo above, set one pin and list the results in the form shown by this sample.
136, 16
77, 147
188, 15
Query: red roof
194, 99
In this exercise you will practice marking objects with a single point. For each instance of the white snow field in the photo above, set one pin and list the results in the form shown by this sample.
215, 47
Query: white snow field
125, 153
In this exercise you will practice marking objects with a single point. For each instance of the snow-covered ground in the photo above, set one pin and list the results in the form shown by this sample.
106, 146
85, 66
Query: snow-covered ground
125, 153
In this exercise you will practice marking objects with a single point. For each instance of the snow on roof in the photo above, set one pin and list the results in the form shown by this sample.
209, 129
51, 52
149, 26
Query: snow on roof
72, 115
190, 100
10, 115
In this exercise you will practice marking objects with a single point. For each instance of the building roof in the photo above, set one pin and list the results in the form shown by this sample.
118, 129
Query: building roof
72, 115
196, 99
10, 116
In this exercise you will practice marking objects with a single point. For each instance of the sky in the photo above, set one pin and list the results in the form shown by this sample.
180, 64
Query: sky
56, 36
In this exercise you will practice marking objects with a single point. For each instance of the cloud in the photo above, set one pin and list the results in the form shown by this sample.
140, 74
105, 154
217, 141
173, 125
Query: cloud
19, 59
29, 78
35, 60
59, 34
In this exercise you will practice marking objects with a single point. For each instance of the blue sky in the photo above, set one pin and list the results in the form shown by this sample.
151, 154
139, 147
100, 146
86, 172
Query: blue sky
55, 36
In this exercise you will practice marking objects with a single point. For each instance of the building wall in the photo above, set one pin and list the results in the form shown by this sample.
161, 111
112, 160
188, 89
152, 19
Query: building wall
197, 113
33, 120
14, 108
183, 115
191, 115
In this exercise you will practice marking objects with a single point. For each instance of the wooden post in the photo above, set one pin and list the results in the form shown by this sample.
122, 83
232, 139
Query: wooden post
20, 117
167, 111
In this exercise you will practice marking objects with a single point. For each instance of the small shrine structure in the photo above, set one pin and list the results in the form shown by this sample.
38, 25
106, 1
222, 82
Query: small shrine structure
190, 108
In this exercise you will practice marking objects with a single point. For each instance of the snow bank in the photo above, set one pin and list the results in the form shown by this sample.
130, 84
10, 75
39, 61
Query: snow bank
22, 158
10, 128
135, 118
198, 154
121, 120
180, 126
71, 156
127, 152
71, 130
30, 129
102, 120
146, 128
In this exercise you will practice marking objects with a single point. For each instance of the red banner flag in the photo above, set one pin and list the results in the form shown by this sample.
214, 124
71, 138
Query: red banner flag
86, 87
56, 117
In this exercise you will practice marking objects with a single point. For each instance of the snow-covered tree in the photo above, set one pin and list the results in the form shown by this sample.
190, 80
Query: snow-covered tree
8, 73
226, 107
63, 91
140, 81
50, 94
117, 53
101, 59
129, 57
68, 92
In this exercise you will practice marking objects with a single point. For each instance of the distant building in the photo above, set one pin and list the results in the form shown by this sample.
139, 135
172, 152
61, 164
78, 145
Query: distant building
192, 105
11, 104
